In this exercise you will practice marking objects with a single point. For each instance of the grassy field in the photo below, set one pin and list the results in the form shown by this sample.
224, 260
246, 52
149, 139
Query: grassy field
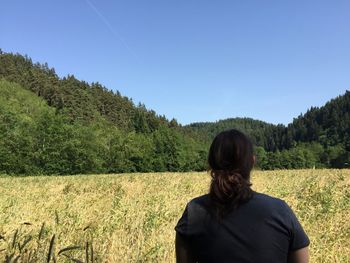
131, 217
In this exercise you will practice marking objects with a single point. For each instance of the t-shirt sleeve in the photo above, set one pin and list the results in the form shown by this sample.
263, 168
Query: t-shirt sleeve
298, 237
182, 225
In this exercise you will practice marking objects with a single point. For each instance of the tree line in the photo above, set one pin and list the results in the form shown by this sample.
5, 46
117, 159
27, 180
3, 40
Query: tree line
53, 125
319, 138
36, 139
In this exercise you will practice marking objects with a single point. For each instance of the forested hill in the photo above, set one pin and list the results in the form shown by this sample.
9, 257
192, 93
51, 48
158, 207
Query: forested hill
103, 131
318, 138
328, 125
78, 99
262, 134
86, 128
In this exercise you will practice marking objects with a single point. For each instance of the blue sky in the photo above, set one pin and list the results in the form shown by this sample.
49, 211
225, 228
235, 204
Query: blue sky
193, 60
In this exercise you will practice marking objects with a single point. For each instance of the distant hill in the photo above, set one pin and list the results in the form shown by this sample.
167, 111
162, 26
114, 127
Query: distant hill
101, 131
329, 125
321, 135
261, 133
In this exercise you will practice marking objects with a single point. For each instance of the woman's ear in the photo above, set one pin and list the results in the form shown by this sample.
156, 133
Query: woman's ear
254, 159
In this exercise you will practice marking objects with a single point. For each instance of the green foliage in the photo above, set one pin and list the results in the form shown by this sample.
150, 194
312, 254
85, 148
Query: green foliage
262, 134
319, 138
58, 125
37, 139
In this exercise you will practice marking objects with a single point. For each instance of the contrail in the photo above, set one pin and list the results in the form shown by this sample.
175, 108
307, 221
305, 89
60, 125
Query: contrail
110, 27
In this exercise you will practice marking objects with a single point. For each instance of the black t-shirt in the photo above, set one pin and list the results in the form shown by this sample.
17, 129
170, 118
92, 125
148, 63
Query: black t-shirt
264, 229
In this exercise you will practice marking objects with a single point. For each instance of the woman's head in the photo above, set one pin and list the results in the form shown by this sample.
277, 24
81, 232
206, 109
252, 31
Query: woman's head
230, 160
231, 151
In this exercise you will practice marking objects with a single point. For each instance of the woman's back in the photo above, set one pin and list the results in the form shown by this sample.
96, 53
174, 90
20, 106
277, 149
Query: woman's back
264, 229
233, 223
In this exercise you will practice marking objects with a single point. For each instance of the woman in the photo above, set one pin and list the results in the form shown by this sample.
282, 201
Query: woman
233, 223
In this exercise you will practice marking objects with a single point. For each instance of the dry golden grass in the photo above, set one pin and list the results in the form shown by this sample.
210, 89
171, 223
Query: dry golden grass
131, 217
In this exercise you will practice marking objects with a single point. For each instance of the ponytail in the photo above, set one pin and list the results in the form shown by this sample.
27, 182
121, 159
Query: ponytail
231, 161
228, 190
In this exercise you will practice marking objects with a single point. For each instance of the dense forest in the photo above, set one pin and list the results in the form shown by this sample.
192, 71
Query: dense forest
53, 125
319, 138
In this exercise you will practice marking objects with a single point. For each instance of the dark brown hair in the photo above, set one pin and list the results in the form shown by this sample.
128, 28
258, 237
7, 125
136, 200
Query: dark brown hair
230, 160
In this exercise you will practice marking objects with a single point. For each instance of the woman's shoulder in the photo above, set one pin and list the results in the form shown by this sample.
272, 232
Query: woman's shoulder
267, 198
201, 200
257, 198
260, 204
269, 203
